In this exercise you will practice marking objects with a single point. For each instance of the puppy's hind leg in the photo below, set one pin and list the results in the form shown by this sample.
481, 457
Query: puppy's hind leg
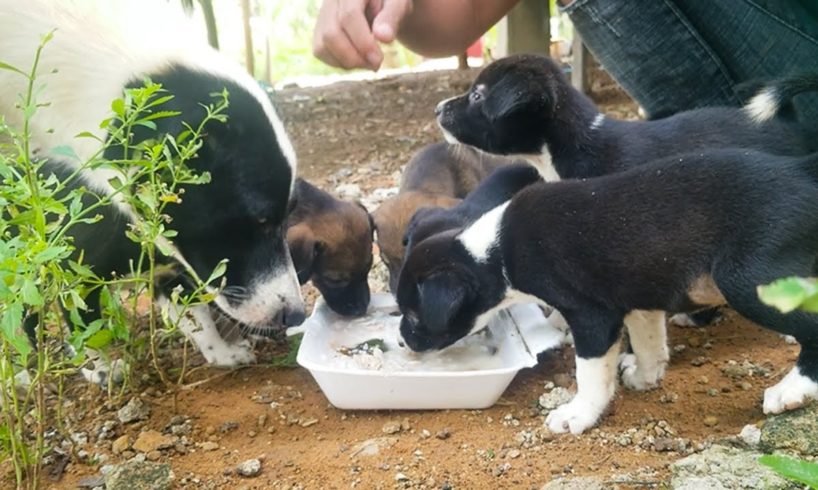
801, 384
596, 337
645, 368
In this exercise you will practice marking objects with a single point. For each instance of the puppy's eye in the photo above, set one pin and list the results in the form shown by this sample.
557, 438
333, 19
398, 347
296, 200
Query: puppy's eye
475, 97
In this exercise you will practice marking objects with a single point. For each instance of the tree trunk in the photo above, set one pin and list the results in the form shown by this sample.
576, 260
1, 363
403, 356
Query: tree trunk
248, 37
210, 21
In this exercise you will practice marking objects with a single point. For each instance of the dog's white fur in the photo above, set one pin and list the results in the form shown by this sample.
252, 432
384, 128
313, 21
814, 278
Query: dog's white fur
482, 235
763, 106
793, 391
645, 368
97, 48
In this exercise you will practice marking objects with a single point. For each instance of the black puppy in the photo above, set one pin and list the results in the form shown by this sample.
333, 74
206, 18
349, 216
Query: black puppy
523, 105
500, 186
331, 243
600, 252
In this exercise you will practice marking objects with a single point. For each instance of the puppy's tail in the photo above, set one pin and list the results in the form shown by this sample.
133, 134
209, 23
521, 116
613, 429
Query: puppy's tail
774, 98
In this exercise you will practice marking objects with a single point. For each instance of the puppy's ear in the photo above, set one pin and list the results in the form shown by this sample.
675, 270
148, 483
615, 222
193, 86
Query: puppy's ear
441, 297
304, 249
506, 99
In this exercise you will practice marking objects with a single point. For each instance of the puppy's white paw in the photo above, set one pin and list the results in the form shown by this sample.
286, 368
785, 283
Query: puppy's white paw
575, 417
228, 355
794, 391
640, 378
104, 373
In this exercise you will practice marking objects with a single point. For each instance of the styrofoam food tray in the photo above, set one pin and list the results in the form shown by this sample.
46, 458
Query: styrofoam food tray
519, 334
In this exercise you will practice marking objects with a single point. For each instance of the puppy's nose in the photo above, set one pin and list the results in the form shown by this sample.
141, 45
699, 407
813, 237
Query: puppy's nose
293, 317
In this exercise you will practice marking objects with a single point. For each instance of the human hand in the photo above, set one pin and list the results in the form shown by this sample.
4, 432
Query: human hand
347, 32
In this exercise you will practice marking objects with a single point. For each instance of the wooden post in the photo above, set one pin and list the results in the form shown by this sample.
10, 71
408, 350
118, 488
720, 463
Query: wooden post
527, 29
581, 65
210, 21
248, 37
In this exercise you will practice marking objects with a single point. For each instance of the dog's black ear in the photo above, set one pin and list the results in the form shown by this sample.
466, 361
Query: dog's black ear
304, 249
506, 99
441, 297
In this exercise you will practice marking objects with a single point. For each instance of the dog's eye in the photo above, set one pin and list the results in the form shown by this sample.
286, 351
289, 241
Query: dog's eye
475, 97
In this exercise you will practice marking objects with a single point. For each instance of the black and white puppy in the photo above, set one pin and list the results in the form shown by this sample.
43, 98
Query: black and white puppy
500, 186
100, 48
600, 251
523, 105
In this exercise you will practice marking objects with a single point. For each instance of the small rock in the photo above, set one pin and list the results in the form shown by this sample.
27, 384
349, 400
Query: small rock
699, 361
401, 477
134, 410
391, 427
443, 434
371, 447
121, 444
711, 421
795, 431
662, 444
669, 397
555, 398
425, 434
308, 422
579, 483
750, 435
151, 440
502, 469
154, 456
139, 476
514, 453
229, 426
209, 446
249, 468
720, 467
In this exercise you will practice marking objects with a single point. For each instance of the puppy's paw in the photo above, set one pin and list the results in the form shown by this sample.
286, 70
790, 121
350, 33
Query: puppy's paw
575, 417
228, 355
794, 391
104, 373
640, 378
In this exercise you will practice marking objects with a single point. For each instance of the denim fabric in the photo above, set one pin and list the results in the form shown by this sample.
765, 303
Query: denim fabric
673, 55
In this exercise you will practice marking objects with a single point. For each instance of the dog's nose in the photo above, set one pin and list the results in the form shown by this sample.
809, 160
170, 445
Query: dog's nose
293, 317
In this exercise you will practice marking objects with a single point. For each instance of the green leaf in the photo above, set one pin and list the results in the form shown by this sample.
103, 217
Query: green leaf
789, 293
797, 470
6, 66
288, 360
51, 253
100, 339
218, 272
118, 106
65, 151
30, 294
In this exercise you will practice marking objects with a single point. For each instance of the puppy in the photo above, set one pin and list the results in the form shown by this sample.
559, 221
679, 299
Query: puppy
331, 243
598, 250
99, 49
438, 175
523, 105
500, 186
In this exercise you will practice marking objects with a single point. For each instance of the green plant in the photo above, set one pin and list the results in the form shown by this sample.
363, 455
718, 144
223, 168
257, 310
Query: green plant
797, 470
791, 293
42, 275
288, 360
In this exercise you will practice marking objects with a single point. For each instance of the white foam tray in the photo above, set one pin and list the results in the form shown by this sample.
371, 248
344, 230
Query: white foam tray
523, 332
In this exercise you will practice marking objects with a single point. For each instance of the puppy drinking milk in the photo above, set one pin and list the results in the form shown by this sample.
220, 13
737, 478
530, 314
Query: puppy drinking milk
331, 243
99, 49
600, 252
438, 175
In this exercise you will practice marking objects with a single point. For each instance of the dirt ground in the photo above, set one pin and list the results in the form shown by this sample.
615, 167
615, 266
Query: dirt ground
362, 133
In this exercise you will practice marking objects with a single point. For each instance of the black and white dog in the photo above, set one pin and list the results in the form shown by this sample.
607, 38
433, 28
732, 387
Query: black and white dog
523, 105
600, 251
100, 48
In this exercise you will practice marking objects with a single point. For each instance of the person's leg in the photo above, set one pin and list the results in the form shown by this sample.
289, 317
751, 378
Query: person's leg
676, 55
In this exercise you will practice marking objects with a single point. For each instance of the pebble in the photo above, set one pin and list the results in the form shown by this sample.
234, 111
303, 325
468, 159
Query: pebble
151, 440
154, 455
712, 392
209, 446
401, 477
121, 444
669, 397
555, 398
514, 453
699, 361
229, 426
249, 468
391, 427
711, 421
502, 469
134, 410
443, 434
425, 434
751, 435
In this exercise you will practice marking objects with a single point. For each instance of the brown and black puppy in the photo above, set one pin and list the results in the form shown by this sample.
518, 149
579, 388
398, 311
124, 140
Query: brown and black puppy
331, 243
439, 175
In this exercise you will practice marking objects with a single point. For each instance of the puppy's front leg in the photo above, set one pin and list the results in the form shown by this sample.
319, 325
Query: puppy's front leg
197, 324
645, 368
597, 347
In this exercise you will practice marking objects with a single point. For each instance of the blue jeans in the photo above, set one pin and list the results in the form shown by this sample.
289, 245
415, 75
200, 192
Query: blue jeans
673, 55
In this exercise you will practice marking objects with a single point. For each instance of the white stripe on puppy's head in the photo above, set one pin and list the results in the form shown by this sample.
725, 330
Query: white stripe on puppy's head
484, 234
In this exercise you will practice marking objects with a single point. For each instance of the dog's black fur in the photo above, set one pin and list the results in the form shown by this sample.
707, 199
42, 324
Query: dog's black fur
600, 248
500, 186
331, 244
524, 105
